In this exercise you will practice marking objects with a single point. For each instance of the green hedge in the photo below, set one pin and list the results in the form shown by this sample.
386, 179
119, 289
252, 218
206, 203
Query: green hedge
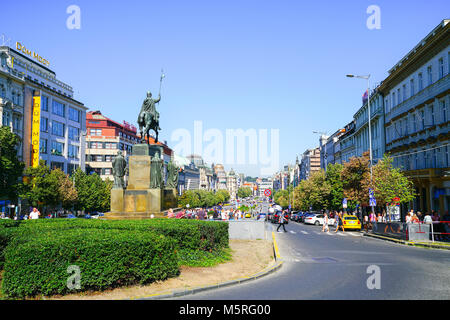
7, 230
188, 234
36, 263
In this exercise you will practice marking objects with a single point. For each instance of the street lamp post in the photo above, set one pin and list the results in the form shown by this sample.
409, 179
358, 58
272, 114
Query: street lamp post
369, 116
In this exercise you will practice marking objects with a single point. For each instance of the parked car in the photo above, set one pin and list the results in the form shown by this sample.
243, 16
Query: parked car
351, 222
307, 214
318, 220
314, 219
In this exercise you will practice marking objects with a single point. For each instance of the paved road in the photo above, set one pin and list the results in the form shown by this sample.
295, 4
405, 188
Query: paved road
334, 266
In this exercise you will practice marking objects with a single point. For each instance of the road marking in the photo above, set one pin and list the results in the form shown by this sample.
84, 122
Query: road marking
354, 234
293, 232
341, 234
304, 232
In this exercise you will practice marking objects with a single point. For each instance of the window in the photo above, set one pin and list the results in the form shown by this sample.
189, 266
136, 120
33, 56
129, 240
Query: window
107, 171
430, 75
441, 68
73, 151
58, 128
443, 110
44, 124
16, 123
96, 145
58, 108
6, 119
44, 103
420, 81
71, 167
432, 114
57, 165
98, 158
411, 87
422, 116
74, 114
109, 158
398, 96
404, 92
414, 122
74, 133
57, 148
393, 100
95, 132
43, 146
110, 145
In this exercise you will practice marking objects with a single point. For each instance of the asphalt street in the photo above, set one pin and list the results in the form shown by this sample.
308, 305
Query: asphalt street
337, 266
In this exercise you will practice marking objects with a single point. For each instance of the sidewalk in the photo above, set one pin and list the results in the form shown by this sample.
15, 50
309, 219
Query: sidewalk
423, 244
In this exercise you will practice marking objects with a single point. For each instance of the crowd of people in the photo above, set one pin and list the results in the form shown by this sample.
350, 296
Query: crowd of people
216, 213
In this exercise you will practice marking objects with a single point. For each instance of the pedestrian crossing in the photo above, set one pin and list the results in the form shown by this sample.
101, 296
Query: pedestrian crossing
330, 233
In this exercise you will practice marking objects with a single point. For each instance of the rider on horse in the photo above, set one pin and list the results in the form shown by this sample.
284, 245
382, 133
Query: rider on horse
148, 114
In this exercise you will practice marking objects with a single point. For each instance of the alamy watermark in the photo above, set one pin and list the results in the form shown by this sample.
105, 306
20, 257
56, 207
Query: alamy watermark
374, 280
74, 280
234, 146
74, 20
374, 20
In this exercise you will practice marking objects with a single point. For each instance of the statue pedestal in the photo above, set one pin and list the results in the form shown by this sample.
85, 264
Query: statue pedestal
170, 198
138, 200
116, 200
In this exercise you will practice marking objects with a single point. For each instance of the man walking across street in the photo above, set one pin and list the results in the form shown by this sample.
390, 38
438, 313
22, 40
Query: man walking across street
281, 221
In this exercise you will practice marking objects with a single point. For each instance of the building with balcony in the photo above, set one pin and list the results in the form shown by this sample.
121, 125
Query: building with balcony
62, 119
346, 149
361, 135
310, 163
416, 101
105, 137
221, 177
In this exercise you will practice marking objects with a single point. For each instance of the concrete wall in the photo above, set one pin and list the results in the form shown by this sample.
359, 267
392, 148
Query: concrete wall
247, 230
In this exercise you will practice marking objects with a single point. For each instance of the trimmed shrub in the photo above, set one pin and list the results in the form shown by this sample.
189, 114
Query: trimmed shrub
188, 234
37, 263
7, 231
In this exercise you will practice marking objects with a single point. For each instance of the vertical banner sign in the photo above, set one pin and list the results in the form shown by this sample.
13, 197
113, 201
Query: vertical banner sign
35, 129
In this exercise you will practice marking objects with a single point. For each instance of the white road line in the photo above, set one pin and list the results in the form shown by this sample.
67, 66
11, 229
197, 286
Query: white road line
354, 234
293, 232
304, 232
341, 234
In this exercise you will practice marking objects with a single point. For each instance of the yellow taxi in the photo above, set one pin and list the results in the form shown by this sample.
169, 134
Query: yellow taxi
351, 222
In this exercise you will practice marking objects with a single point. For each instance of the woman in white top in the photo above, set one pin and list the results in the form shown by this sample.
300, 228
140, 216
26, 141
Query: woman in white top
408, 218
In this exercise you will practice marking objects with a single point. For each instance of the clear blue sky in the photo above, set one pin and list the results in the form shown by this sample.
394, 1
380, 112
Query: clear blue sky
232, 64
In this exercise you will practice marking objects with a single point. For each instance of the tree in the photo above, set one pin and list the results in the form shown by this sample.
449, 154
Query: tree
94, 194
334, 179
39, 188
353, 175
389, 183
10, 167
314, 192
244, 192
67, 194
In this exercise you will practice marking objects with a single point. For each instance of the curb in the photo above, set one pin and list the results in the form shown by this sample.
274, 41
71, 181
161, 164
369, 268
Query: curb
409, 243
184, 292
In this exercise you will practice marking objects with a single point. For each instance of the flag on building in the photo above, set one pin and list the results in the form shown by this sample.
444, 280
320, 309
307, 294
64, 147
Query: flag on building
365, 96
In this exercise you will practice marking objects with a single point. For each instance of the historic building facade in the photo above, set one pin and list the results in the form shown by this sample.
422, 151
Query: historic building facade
416, 100
25, 77
361, 135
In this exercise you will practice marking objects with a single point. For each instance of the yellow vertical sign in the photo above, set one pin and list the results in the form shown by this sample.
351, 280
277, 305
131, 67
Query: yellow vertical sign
36, 129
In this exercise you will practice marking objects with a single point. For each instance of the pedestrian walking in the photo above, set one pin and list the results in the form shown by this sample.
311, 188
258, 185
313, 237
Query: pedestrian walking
281, 222
325, 223
339, 223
